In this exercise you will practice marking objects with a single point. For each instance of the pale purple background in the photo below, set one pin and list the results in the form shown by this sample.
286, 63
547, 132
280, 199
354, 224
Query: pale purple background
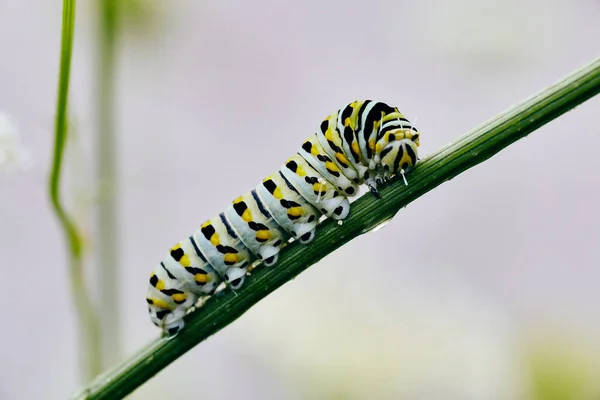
442, 303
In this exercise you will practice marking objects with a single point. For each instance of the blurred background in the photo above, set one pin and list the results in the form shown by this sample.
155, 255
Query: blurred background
485, 288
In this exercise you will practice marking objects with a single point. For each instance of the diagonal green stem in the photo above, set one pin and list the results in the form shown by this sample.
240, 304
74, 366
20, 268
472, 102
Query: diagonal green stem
88, 326
367, 213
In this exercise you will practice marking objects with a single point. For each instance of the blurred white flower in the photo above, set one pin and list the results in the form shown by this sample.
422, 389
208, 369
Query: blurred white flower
12, 152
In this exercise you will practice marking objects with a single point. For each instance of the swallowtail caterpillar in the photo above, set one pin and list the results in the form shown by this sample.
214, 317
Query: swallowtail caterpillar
366, 142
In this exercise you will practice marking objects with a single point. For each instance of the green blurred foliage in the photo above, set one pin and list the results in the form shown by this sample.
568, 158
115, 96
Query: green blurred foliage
137, 16
563, 370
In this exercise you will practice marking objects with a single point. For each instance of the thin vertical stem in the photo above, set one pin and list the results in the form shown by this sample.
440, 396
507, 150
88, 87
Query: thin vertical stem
88, 327
107, 212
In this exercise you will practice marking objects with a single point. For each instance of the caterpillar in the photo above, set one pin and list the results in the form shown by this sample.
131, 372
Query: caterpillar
366, 142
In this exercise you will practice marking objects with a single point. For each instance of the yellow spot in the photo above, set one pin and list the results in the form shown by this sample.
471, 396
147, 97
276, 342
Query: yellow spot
295, 211
160, 303
329, 135
247, 215
238, 200
372, 144
300, 171
406, 159
178, 297
392, 116
331, 166
160, 285
176, 247
348, 122
214, 239
342, 158
375, 126
201, 278
277, 193
355, 148
314, 150
320, 187
263, 235
231, 258
185, 261
378, 148
204, 225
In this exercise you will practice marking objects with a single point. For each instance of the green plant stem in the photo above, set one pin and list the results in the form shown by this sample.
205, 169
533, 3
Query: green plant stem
88, 325
107, 248
367, 213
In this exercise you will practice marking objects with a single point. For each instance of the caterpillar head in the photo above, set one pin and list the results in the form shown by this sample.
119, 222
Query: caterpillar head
401, 152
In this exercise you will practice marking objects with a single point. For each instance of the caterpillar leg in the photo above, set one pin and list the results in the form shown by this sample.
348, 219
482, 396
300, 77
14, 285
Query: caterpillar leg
173, 323
167, 307
165, 319
374, 190
381, 177
372, 183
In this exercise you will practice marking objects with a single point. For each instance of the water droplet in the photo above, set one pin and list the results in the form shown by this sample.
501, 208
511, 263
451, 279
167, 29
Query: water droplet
381, 225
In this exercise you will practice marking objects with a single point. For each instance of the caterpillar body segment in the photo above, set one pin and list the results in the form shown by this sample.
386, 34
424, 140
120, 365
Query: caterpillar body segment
348, 125
366, 142
316, 156
317, 190
331, 141
256, 227
223, 250
186, 263
289, 209
167, 299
